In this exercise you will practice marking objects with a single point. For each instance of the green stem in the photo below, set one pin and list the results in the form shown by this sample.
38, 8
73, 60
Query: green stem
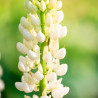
42, 82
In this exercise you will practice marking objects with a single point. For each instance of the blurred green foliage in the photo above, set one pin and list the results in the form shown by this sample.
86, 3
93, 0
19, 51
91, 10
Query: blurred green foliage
81, 18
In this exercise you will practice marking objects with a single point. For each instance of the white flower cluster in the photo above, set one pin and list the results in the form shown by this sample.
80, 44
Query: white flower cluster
30, 64
1, 82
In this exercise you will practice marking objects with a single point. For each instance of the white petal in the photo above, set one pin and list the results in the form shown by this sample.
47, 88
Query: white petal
27, 35
26, 96
21, 28
25, 23
28, 44
58, 5
63, 32
42, 6
66, 90
52, 4
29, 6
22, 59
58, 16
40, 37
39, 76
35, 96
61, 70
49, 20
1, 85
32, 55
24, 87
47, 57
34, 20
51, 77
23, 67
60, 54
22, 48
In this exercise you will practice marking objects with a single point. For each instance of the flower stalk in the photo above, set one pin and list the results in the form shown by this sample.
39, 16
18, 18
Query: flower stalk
43, 81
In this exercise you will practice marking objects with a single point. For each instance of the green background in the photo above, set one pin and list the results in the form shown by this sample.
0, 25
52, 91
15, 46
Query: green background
81, 42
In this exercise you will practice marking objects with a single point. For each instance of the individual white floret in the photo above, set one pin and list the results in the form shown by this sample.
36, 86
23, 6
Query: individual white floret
29, 78
22, 48
60, 54
59, 93
58, 16
61, 70
55, 34
36, 49
1, 85
28, 44
1, 71
39, 76
29, 6
54, 45
40, 37
42, 6
32, 55
22, 86
49, 19
35, 96
52, 4
47, 57
21, 28
63, 32
27, 35
34, 20
58, 5
51, 77
23, 67
25, 23
26, 96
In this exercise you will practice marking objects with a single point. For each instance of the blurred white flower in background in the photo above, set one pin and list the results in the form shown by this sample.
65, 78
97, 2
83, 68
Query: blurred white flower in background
1, 81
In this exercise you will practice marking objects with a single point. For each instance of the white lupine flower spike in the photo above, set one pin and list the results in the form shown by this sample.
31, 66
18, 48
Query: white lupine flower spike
41, 31
2, 86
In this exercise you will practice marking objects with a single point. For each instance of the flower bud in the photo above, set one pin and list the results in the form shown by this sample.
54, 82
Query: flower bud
60, 54
21, 28
29, 6
32, 55
52, 4
58, 17
42, 6
27, 35
24, 22
21, 48
40, 37
34, 20
49, 19
61, 70
58, 5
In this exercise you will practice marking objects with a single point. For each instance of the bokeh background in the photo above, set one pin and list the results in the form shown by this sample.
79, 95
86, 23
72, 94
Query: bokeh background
81, 18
